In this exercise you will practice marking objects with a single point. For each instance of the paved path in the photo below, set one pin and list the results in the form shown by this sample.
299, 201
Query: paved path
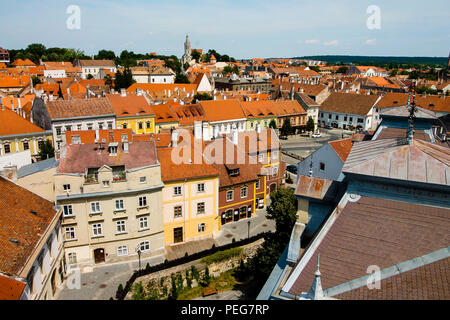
102, 281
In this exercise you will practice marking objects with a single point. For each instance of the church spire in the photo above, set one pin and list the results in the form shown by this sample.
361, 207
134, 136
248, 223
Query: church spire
316, 292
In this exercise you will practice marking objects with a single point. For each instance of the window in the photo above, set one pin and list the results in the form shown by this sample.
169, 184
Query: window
201, 227
68, 128
110, 125
95, 207
72, 257
121, 226
58, 131
360, 120
230, 195
201, 187
119, 205
329, 116
261, 157
66, 187
30, 278
257, 184
322, 166
40, 144
76, 140
122, 251
143, 179
337, 117
67, 211
105, 183
351, 119
69, 233
244, 192
177, 191
97, 230
149, 124
7, 148
78, 127
141, 126
26, 145
100, 126
275, 155
201, 208
177, 212
142, 201
124, 125
144, 246
275, 171
143, 223
345, 118
89, 126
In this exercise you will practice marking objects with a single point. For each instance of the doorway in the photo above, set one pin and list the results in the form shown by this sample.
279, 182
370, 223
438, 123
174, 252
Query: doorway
178, 235
99, 255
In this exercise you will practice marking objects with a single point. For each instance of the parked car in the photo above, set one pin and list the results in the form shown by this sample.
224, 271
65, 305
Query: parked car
317, 135
292, 169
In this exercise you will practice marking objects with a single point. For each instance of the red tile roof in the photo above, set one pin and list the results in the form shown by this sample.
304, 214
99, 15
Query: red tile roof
79, 108
349, 103
222, 110
88, 136
129, 106
17, 222
13, 124
342, 147
10, 289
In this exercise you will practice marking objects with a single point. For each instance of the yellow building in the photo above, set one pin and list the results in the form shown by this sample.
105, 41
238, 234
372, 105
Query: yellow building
190, 199
133, 112
259, 114
18, 134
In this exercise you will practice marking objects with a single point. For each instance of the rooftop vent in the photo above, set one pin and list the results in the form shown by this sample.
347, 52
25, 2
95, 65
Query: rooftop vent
34, 212
14, 240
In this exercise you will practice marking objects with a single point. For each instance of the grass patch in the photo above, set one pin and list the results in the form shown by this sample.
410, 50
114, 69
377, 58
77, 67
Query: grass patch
222, 255
224, 282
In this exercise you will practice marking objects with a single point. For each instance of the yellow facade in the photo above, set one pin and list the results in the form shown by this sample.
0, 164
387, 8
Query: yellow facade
21, 143
139, 125
190, 220
263, 122
166, 125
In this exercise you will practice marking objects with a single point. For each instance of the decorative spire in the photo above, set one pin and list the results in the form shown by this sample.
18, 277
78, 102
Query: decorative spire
316, 292
412, 113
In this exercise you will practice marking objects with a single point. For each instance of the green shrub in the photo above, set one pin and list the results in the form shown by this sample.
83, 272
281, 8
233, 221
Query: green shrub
222, 255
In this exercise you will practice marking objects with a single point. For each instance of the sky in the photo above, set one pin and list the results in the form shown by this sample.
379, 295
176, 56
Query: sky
242, 29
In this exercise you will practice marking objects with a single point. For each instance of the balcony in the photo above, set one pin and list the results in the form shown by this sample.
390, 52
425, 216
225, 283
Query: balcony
119, 176
91, 178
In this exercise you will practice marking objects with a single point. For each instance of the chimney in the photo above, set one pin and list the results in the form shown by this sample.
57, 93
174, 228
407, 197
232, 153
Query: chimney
235, 137
123, 92
97, 135
258, 128
197, 129
9, 172
50, 97
174, 137
88, 95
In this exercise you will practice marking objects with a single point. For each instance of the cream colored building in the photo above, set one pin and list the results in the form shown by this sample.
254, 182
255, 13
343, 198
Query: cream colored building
111, 201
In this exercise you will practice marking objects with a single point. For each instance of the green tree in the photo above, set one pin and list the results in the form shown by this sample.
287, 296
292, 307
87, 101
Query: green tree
310, 124
342, 70
315, 68
181, 78
202, 96
105, 55
46, 151
206, 279
35, 80
89, 76
196, 55
273, 124
286, 129
108, 80
123, 79
230, 69
283, 209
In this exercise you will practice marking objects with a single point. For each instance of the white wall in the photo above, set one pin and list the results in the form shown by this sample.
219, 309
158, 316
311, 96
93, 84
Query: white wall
55, 73
18, 159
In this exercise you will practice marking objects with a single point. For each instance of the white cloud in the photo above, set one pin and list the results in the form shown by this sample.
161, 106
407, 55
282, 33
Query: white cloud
371, 41
315, 41
332, 43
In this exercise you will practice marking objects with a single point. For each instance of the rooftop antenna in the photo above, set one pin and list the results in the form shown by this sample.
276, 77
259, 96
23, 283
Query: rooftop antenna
412, 112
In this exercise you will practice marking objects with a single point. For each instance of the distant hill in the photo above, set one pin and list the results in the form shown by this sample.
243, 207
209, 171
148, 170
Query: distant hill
378, 59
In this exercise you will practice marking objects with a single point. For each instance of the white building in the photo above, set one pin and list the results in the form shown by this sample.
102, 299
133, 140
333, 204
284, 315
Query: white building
94, 67
153, 75
55, 74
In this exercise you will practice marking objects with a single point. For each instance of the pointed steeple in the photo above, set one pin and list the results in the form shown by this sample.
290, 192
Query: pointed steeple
316, 292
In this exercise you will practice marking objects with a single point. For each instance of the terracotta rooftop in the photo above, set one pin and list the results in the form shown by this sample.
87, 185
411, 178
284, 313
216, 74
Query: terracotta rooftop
18, 222
97, 63
163, 113
130, 105
342, 147
79, 108
81, 156
188, 113
88, 136
312, 187
13, 124
349, 103
10, 289
375, 231
258, 109
222, 110
429, 102
389, 133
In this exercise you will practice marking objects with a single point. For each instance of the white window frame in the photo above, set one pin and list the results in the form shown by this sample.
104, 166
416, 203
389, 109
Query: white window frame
246, 192
174, 212
143, 223
232, 195
258, 184
67, 208
144, 246
143, 179
142, 202
66, 187
95, 208
69, 230
122, 251
200, 187
201, 227
175, 193
72, 257
97, 230
121, 226
121, 206
204, 207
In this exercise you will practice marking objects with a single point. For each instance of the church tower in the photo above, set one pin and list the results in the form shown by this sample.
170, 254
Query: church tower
187, 57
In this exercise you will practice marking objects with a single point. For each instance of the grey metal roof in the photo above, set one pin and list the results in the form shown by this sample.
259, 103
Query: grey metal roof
402, 111
37, 167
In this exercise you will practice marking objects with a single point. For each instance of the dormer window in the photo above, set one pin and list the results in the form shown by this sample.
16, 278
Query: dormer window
234, 172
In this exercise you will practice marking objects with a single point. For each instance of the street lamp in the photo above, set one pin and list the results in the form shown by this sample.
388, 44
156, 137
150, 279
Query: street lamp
248, 223
139, 255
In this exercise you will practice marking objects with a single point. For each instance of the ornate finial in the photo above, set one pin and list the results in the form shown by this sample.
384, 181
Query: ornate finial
316, 292
412, 112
